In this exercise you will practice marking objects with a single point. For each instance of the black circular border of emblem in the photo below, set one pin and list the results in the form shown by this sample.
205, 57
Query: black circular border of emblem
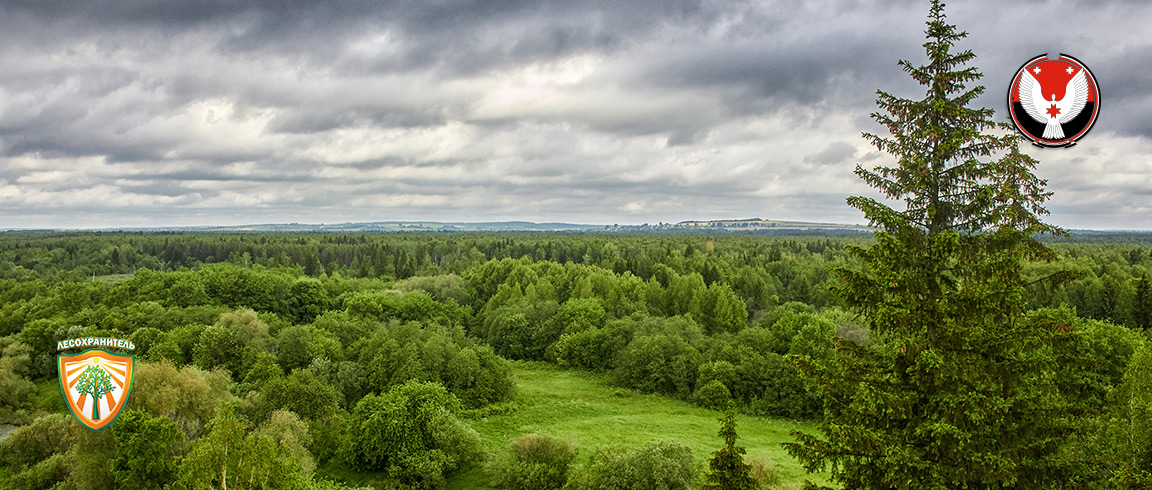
1080, 125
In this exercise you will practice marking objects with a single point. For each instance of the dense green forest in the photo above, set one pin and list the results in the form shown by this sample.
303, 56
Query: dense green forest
318, 358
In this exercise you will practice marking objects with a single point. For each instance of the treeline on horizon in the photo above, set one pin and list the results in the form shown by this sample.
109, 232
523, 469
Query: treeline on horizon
302, 348
1113, 268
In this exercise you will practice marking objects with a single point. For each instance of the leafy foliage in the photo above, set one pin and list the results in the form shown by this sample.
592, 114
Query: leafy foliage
17, 393
36, 442
229, 456
146, 450
411, 432
398, 353
659, 466
292, 330
188, 396
1127, 448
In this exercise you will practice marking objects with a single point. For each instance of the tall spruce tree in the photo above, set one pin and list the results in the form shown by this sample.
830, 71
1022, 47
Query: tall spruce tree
955, 391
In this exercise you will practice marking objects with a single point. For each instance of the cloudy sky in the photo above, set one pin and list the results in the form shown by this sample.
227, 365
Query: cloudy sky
200, 112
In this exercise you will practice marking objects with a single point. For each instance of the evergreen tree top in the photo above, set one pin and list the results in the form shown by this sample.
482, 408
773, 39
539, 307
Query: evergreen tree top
728, 471
957, 391
952, 171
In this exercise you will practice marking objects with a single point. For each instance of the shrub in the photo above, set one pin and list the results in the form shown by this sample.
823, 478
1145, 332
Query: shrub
580, 314
442, 288
44, 474
659, 466
533, 462
47, 435
522, 329
17, 394
765, 473
301, 392
188, 396
782, 388
659, 364
713, 394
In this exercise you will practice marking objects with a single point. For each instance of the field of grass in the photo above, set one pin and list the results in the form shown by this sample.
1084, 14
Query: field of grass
113, 278
584, 409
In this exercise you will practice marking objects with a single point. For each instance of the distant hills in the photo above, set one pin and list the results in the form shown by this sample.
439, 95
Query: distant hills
753, 225
384, 226
746, 225
756, 226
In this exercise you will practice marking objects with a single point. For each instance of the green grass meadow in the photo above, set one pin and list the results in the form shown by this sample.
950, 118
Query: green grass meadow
584, 409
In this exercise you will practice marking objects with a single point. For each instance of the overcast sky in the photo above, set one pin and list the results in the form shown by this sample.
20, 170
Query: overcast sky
216, 112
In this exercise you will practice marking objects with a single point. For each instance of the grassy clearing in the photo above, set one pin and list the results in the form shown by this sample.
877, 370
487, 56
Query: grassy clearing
113, 278
583, 408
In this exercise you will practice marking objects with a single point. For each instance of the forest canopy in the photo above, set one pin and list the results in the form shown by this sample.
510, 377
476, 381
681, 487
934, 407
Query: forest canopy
294, 341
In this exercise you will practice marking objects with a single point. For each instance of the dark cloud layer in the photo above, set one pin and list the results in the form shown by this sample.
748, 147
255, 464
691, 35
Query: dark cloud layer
203, 112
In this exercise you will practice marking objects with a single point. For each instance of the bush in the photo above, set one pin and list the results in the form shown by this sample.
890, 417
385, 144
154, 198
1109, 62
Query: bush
44, 474
48, 435
533, 462
663, 465
302, 393
580, 314
412, 433
783, 389
765, 473
327, 436
188, 396
713, 394
145, 450
522, 329
659, 364
595, 348
17, 394
442, 288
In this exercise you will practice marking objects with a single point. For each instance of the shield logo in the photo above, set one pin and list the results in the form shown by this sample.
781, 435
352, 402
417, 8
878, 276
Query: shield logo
96, 383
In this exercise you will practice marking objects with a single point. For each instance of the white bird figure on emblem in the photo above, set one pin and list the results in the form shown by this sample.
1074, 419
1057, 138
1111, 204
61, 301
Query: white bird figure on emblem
1053, 113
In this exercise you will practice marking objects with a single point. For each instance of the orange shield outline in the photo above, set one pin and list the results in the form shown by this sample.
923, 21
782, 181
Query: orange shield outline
96, 384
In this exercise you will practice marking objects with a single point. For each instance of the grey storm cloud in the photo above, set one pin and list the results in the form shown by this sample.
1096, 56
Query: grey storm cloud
220, 112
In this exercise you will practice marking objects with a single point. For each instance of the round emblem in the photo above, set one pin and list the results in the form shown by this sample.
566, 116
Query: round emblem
1054, 102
